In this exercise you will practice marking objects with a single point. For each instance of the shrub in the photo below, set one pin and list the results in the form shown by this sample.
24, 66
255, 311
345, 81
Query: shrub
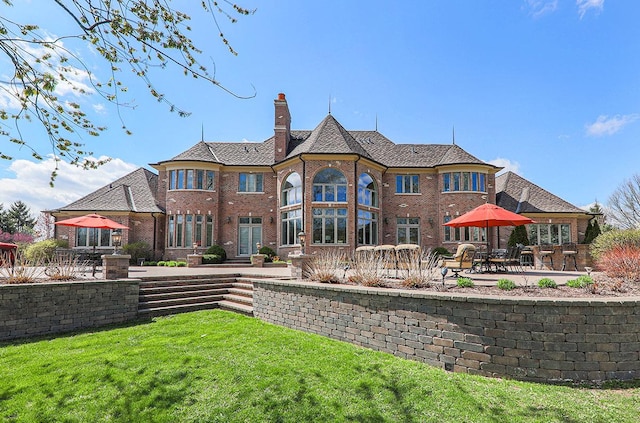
150, 263
506, 284
416, 281
211, 259
137, 250
547, 283
518, 236
23, 271
621, 261
441, 251
325, 266
267, 252
171, 263
581, 282
218, 251
608, 240
42, 251
465, 282
162, 263
181, 264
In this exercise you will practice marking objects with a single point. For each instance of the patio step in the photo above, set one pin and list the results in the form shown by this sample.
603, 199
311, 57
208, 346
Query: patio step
171, 295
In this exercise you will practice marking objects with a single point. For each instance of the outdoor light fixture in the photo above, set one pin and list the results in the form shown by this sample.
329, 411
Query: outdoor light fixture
195, 248
302, 236
258, 246
228, 219
116, 239
386, 221
444, 272
271, 219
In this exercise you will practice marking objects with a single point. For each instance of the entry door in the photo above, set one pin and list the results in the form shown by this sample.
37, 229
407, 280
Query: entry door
249, 234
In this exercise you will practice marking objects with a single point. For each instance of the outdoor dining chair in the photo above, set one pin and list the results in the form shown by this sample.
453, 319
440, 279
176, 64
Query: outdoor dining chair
546, 252
569, 251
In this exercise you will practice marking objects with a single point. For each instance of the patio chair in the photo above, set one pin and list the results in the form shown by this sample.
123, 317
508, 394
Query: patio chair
463, 259
546, 251
364, 253
526, 257
569, 251
408, 257
386, 255
510, 259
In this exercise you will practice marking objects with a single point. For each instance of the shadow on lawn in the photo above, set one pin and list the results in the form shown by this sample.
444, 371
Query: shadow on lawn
38, 338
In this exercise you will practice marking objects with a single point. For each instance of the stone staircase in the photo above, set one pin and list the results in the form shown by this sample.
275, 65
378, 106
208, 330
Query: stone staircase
171, 295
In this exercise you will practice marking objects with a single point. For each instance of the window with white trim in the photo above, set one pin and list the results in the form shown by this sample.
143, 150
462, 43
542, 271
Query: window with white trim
329, 226
367, 228
250, 182
467, 234
408, 230
549, 233
291, 222
183, 230
199, 179
330, 185
464, 181
367, 192
292, 190
407, 184
93, 237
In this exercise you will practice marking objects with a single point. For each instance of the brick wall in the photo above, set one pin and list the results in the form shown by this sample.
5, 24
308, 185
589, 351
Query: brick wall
48, 308
523, 338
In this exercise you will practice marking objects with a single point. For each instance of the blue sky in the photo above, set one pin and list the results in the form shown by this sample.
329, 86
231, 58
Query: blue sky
548, 89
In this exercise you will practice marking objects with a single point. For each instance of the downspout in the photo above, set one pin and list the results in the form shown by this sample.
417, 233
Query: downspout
355, 195
155, 225
304, 202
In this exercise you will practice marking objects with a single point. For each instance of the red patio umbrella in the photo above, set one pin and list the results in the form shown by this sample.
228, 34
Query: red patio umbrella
489, 215
92, 221
486, 216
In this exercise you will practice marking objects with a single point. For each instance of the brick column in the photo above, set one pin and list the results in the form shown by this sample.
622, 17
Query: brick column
115, 266
300, 265
257, 260
194, 260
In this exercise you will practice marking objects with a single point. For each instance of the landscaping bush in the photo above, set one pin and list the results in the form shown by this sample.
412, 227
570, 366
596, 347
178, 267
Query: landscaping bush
465, 283
621, 261
211, 259
42, 251
609, 240
581, 282
416, 281
325, 266
162, 263
150, 263
506, 284
547, 283
441, 251
181, 264
267, 252
137, 250
218, 251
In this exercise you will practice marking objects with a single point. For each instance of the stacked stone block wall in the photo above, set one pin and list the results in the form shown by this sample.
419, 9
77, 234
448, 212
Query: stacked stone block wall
48, 308
545, 340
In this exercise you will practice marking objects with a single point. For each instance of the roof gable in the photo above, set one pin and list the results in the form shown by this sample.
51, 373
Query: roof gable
329, 137
134, 192
517, 194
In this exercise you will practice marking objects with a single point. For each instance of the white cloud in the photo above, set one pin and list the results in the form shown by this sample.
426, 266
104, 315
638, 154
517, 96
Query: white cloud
606, 125
539, 8
585, 5
31, 182
507, 164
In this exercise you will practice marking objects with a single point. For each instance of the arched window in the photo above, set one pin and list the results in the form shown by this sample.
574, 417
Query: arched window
292, 190
367, 193
330, 185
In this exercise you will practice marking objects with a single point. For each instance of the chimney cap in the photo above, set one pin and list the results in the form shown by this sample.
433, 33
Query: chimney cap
281, 97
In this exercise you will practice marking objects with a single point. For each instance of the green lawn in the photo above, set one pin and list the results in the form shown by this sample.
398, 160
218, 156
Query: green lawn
216, 366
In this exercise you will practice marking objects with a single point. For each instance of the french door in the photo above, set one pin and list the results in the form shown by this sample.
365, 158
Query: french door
249, 234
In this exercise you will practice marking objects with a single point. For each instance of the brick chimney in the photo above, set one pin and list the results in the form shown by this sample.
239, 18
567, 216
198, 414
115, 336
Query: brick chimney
282, 127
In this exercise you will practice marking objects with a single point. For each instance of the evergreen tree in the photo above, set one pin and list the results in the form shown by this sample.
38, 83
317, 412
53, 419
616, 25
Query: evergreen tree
5, 223
20, 218
518, 236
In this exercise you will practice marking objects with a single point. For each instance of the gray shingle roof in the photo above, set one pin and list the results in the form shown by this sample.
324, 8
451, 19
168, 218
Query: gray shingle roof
134, 192
330, 137
519, 195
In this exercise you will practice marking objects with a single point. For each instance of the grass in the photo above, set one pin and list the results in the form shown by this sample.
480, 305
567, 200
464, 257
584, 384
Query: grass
217, 366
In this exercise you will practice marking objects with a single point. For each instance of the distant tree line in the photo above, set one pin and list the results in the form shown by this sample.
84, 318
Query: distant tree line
16, 223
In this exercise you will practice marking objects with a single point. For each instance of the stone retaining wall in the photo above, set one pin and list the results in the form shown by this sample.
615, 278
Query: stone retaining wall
525, 338
48, 308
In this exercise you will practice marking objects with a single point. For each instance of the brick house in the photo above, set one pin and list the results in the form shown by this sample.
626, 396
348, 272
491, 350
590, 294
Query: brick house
342, 188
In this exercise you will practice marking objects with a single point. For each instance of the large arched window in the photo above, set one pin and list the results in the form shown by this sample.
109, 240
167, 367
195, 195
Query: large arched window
330, 185
292, 190
367, 193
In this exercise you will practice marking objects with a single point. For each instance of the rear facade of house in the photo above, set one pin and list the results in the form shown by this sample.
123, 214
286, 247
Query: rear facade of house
342, 188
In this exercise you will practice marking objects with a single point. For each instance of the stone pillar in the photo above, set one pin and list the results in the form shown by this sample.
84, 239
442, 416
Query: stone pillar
115, 266
300, 265
194, 260
257, 260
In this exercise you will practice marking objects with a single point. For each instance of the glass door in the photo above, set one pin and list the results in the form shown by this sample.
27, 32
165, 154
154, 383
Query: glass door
249, 234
